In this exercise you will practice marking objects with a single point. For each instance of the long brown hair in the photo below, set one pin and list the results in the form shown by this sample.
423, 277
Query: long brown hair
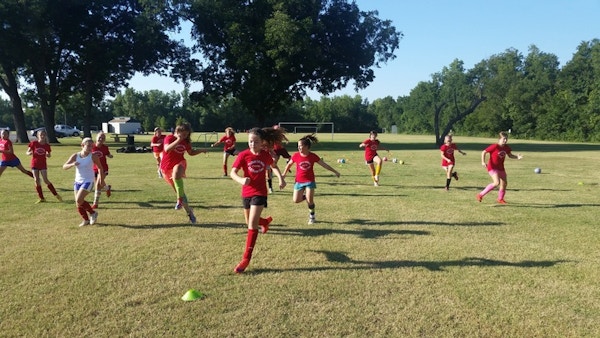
269, 135
185, 127
309, 140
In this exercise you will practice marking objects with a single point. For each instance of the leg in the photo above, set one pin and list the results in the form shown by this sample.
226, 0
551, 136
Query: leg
38, 186
489, 187
299, 195
310, 201
253, 217
25, 171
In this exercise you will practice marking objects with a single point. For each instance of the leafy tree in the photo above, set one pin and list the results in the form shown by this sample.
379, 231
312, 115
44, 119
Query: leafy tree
267, 53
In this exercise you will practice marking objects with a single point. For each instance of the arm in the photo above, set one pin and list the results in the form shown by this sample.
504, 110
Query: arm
172, 145
362, 145
444, 157
29, 151
239, 179
483, 153
194, 152
287, 167
71, 162
517, 156
101, 173
277, 173
328, 167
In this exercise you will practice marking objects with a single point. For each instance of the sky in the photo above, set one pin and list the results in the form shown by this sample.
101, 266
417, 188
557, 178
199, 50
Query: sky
436, 32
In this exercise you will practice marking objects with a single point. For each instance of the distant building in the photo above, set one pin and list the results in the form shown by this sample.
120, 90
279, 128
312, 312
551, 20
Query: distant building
122, 125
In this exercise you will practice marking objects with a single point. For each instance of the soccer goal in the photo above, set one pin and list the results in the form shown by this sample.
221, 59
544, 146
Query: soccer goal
208, 138
312, 127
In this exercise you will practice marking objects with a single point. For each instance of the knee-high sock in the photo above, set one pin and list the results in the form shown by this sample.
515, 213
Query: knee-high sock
487, 189
448, 180
179, 188
87, 207
38, 188
82, 212
501, 194
311, 209
52, 189
97, 194
250, 242
377, 169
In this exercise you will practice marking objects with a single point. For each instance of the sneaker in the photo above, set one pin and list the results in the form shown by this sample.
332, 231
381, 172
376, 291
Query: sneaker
446, 188
93, 218
225, 175
179, 204
270, 190
242, 266
311, 220
265, 227
502, 201
108, 191
376, 178
192, 218
84, 223
58, 197
455, 175
159, 173
479, 198
41, 200
375, 184
95, 206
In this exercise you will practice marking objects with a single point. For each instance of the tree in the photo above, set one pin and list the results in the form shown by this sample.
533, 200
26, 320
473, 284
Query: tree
267, 53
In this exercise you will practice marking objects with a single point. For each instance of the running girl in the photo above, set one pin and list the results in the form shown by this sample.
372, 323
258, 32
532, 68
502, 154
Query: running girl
373, 160
228, 141
447, 150
40, 150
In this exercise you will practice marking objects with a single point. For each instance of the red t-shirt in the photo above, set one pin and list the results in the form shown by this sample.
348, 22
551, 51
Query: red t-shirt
6, 145
228, 142
102, 152
158, 139
39, 151
254, 167
497, 155
176, 155
371, 147
449, 153
305, 167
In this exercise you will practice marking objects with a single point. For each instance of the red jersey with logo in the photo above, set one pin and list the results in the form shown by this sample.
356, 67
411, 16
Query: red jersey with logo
6, 145
101, 151
39, 154
158, 139
371, 147
497, 155
448, 151
176, 155
254, 167
228, 142
305, 167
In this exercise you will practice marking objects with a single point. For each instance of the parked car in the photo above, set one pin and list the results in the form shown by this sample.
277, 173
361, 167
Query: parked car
58, 134
67, 130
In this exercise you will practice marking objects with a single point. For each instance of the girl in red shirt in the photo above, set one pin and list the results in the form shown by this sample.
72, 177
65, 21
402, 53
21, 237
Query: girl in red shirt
40, 150
228, 141
305, 185
373, 160
9, 159
100, 149
495, 166
447, 149
173, 164
254, 162
156, 142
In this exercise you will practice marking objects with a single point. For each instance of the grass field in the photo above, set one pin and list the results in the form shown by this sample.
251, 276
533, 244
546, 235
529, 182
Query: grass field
403, 259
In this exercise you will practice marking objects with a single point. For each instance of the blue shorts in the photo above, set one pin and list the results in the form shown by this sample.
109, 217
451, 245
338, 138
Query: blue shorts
305, 185
83, 186
14, 163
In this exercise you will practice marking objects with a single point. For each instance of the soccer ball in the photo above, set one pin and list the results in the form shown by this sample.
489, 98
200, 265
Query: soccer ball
537, 170
395, 160
401, 162
385, 159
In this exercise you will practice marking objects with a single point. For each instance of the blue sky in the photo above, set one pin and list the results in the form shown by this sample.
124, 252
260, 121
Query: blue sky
436, 32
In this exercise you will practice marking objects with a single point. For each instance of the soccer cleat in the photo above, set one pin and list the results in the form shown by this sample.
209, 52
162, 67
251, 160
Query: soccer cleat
41, 200
93, 218
192, 218
108, 191
311, 220
455, 175
502, 202
270, 190
479, 198
225, 175
84, 223
446, 188
242, 266
95, 206
179, 204
58, 197
375, 184
265, 226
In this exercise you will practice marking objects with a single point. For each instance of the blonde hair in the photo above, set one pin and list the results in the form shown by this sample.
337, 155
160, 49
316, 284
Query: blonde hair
86, 139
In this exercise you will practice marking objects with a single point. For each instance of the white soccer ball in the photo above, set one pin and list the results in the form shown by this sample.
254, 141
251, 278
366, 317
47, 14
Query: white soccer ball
395, 160
537, 170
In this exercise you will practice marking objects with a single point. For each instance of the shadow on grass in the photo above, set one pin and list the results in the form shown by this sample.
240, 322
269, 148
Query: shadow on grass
179, 225
552, 206
362, 233
351, 264
358, 221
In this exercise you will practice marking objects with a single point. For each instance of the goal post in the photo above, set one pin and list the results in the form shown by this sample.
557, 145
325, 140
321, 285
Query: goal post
307, 125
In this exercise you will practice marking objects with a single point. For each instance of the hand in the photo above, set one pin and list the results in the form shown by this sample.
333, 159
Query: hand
246, 181
519, 156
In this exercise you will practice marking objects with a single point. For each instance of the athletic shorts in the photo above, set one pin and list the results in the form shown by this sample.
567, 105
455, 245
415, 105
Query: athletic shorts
13, 163
87, 186
254, 200
39, 168
501, 173
168, 173
283, 153
305, 185
230, 151
370, 160
157, 154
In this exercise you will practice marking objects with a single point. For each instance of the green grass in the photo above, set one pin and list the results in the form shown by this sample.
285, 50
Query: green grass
402, 259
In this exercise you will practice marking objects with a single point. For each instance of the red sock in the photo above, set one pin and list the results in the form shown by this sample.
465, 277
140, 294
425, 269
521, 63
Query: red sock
225, 169
38, 188
250, 242
52, 190
87, 207
82, 212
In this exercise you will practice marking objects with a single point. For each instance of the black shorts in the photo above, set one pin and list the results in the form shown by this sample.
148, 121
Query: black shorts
254, 200
230, 151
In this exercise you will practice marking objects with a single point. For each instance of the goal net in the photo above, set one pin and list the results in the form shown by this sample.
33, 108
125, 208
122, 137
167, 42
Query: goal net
312, 127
